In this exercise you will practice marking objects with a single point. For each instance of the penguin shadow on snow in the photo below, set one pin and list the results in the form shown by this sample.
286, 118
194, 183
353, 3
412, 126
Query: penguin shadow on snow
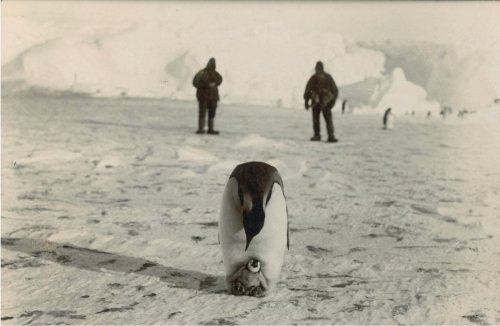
95, 260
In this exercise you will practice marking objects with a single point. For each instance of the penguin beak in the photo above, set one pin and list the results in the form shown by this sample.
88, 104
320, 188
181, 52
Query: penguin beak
248, 242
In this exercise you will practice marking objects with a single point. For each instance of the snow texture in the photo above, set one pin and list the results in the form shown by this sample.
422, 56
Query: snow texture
110, 210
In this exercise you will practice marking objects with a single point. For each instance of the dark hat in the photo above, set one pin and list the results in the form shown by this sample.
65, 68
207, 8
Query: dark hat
211, 63
319, 66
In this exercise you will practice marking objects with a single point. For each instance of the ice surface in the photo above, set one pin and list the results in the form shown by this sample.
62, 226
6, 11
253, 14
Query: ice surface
395, 227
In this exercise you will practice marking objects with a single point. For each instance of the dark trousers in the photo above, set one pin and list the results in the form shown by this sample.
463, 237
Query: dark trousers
203, 107
327, 114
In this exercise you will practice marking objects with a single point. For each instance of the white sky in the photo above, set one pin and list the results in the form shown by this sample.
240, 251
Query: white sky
475, 24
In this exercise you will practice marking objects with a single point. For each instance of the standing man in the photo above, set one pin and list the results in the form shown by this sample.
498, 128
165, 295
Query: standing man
322, 92
206, 82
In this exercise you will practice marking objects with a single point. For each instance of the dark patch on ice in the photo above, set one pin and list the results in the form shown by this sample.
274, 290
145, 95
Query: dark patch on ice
173, 314
7, 318
115, 286
22, 264
317, 250
343, 285
476, 319
461, 248
460, 270
356, 307
95, 260
139, 287
418, 247
400, 310
110, 261
77, 317
133, 233
315, 318
31, 313
372, 224
449, 219
145, 266
118, 309
450, 200
357, 249
60, 313
208, 282
489, 236
390, 232
427, 270
63, 259
150, 295
93, 221
85, 249
197, 238
424, 209
85, 296
65, 217
312, 229
8, 241
219, 321
387, 203
208, 224
35, 314
35, 209
444, 240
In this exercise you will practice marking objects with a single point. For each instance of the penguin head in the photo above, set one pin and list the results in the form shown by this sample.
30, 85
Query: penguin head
253, 265
319, 67
253, 221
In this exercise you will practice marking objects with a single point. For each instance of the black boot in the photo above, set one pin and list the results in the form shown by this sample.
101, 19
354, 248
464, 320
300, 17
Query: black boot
332, 139
201, 126
211, 129
316, 138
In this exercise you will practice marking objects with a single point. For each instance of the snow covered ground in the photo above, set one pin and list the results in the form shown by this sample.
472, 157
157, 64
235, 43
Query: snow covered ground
110, 210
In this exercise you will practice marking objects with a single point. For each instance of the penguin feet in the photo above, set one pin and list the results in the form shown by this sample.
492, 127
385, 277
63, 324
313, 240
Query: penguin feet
237, 288
255, 291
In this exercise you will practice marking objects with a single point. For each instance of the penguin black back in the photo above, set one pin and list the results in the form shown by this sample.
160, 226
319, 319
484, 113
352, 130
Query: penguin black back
255, 182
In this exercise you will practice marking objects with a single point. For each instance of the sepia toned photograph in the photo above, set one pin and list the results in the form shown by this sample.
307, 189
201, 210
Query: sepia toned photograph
250, 162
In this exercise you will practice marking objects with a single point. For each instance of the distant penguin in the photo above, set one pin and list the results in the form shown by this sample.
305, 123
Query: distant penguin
388, 119
253, 225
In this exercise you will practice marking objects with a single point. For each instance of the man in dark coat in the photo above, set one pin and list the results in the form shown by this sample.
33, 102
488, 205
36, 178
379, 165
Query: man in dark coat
206, 82
322, 92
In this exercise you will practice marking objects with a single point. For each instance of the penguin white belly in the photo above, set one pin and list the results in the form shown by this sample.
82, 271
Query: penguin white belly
268, 246
390, 122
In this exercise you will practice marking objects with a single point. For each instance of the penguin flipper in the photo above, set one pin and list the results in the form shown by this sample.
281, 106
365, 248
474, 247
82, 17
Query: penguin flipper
287, 230
288, 236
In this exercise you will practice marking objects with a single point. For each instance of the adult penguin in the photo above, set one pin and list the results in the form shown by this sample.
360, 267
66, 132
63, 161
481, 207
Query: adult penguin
253, 226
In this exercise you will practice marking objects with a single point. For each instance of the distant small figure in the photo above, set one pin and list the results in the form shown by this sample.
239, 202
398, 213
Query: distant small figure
388, 120
206, 82
429, 114
462, 113
344, 103
322, 92
446, 111
413, 113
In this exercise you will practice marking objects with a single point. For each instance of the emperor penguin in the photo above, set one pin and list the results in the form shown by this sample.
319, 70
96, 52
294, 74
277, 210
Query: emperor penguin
253, 227
388, 119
